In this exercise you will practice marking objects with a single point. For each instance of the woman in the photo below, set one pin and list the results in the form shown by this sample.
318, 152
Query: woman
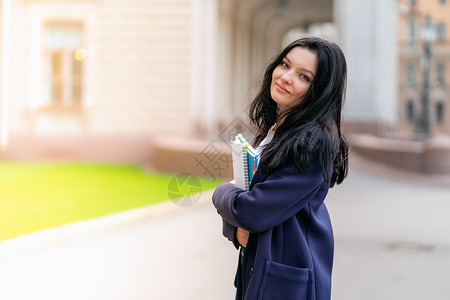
282, 224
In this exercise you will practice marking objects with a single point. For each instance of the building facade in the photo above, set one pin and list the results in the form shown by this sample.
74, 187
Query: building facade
90, 79
413, 14
101, 79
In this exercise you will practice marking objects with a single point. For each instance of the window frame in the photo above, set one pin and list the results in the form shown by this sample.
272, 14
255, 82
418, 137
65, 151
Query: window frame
57, 11
439, 112
66, 61
411, 75
411, 34
409, 113
440, 74
441, 29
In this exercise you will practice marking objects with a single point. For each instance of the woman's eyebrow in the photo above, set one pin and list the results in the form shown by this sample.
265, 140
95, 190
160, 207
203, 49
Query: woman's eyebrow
303, 69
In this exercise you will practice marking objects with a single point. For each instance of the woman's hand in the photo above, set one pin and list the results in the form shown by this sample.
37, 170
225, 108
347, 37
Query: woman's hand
242, 236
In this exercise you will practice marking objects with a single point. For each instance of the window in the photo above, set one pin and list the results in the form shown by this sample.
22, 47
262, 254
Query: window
63, 64
412, 32
439, 112
411, 75
441, 74
410, 111
440, 31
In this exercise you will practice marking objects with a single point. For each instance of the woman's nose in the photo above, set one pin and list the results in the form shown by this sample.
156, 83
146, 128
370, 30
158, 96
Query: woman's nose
287, 77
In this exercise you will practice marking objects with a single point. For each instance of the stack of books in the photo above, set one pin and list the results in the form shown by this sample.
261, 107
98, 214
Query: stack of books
245, 162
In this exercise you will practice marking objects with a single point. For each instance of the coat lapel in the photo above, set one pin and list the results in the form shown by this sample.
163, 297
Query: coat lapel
259, 176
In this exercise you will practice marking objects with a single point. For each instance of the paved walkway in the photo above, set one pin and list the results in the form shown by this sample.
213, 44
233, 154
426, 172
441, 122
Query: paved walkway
392, 239
392, 242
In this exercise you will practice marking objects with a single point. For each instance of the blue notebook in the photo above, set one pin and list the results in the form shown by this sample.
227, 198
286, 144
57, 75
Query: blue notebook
245, 162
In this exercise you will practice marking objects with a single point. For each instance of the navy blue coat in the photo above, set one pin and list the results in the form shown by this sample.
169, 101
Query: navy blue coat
289, 254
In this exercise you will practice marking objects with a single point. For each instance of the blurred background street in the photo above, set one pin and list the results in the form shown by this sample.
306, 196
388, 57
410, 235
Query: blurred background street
392, 242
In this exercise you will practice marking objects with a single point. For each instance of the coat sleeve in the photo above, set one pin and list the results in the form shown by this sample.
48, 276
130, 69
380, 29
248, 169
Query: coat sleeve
271, 202
229, 231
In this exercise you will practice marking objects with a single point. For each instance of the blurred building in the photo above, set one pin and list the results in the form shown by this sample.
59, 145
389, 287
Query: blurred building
102, 79
412, 17
93, 79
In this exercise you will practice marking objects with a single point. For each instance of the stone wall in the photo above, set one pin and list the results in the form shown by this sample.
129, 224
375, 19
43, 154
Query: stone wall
427, 157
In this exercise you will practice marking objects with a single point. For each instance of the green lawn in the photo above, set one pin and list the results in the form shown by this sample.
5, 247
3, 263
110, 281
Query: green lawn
35, 196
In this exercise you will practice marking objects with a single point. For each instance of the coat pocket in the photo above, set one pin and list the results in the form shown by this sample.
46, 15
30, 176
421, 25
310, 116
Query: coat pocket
283, 282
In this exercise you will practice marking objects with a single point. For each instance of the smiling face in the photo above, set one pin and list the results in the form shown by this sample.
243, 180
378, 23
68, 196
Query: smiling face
292, 78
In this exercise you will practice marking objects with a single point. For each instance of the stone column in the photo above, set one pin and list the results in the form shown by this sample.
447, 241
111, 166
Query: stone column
4, 73
224, 95
368, 36
204, 64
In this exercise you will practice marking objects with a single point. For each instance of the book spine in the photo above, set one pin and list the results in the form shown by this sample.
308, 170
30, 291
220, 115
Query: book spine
246, 174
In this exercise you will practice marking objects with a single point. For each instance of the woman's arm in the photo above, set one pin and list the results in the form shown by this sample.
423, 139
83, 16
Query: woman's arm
237, 236
270, 202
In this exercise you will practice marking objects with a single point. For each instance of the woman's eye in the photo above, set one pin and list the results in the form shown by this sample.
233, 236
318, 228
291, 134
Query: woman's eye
304, 77
284, 64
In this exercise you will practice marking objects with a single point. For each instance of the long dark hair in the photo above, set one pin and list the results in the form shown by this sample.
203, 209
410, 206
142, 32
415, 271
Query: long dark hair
313, 127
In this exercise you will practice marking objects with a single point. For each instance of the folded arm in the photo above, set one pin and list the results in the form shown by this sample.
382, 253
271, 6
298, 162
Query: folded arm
270, 202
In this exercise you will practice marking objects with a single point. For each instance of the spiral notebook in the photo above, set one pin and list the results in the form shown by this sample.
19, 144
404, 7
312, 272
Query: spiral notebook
245, 162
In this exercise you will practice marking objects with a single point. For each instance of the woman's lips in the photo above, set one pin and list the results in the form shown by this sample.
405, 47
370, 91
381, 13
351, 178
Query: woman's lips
282, 89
